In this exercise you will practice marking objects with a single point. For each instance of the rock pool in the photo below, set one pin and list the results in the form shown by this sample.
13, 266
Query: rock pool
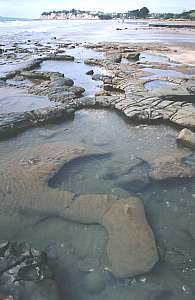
120, 149
18, 100
158, 84
77, 70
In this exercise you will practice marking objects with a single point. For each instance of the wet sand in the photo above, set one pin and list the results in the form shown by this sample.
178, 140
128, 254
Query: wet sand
183, 53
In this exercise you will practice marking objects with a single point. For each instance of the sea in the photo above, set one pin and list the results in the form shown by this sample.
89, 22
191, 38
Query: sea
91, 31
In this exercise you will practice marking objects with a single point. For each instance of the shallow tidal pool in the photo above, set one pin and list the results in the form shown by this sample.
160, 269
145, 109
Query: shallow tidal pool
77, 69
170, 206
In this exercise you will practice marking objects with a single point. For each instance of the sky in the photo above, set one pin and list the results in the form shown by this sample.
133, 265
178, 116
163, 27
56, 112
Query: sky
34, 8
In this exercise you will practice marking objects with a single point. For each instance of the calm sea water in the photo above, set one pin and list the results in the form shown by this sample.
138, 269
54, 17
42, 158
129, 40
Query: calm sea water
90, 31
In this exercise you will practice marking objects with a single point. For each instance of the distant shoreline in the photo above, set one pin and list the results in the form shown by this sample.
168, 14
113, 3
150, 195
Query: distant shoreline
156, 22
126, 20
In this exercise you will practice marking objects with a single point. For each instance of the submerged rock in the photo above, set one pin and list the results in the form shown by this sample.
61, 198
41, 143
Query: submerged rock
131, 248
134, 182
136, 179
169, 168
187, 138
94, 282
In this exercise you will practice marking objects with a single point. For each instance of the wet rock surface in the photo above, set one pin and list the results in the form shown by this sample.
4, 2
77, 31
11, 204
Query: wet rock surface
25, 273
124, 90
14, 123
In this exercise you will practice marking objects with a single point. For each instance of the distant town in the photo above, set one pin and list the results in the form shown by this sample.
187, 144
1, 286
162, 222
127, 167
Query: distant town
142, 13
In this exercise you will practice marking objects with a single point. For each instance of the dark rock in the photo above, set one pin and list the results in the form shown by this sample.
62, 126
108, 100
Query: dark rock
71, 46
3, 247
121, 28
90, 72
133, 55
18, 250
26, 268
78, 91
116, 58
189, 26
108, 87
60, 57
65, 81
29, 273
191, 89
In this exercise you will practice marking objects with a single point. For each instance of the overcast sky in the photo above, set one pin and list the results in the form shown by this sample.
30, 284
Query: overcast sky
33, 8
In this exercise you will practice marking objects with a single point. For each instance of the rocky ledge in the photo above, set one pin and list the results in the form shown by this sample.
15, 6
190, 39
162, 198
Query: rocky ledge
125, 90
13, 123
